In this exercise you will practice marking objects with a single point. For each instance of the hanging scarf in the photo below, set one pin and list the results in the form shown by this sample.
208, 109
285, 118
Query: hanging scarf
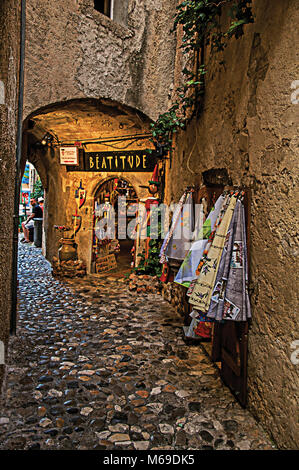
187, 271
175, 219
201, 295
236, 304
180, 241
247, 300
204, 258
216, 305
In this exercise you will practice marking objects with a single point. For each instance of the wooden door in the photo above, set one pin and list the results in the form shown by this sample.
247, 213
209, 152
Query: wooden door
230, 339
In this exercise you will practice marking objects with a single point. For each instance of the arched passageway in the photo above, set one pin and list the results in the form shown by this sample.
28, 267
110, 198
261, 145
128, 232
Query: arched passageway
95, 131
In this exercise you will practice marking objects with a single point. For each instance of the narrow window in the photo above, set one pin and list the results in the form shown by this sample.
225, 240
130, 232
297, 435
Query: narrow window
104, 6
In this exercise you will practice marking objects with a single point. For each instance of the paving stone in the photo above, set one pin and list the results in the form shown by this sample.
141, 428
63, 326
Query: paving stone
86, 411
118, 437
166, 428
141, 445
4, 421
45, 422
96, 366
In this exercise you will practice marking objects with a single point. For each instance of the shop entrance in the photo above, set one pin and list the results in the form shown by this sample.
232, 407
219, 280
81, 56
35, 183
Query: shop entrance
115, 205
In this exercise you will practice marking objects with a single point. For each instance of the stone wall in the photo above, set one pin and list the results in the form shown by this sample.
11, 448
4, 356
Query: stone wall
73, 51
9, 66
248, 126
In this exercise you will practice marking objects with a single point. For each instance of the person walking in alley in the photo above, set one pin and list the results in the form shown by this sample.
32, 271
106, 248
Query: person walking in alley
37, 212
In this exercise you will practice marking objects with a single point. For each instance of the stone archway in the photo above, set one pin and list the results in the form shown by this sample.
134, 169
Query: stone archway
93, 126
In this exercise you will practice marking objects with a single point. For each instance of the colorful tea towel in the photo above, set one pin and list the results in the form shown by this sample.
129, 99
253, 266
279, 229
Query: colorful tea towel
216, 305
175, 220
202, 292
187, 271
236, 304
181, 239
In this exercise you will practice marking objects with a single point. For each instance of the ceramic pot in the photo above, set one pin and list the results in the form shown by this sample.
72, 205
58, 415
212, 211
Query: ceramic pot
67, 250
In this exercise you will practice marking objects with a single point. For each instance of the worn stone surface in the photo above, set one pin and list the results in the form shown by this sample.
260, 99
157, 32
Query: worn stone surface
248, 127
9, 79
73, 51
119, 340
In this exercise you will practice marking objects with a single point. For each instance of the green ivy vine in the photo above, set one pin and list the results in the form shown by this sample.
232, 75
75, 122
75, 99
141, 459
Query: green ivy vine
200, 21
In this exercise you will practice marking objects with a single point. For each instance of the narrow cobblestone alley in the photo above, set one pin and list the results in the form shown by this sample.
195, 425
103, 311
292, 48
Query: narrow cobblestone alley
94, 366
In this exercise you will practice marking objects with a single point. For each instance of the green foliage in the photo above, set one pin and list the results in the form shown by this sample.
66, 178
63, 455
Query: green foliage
150, 266
200, 21
38, 190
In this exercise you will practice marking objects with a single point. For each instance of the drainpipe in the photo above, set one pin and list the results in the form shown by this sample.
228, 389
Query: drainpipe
14, 280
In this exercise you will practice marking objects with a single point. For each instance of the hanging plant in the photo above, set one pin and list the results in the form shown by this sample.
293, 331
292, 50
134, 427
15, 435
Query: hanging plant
200, 21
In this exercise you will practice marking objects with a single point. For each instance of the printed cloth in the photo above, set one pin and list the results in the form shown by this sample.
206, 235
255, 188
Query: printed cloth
187, 271
247, 300
236, 305
230, 299
204, 257
198, 327
175, 219
202, 291
216, 306
181, 239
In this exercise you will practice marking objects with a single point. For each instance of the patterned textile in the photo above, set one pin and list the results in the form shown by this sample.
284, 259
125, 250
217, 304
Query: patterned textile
198, 327
202, 292
203, 330
187, 271
212, 235
230, 299
175, 220
180, 242
236, 304
216, 306
247, 300
204, 257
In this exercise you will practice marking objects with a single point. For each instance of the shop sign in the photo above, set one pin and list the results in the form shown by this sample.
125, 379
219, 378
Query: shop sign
126, 161
69, 156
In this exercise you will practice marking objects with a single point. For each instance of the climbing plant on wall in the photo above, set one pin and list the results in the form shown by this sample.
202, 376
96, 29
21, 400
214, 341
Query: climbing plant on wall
201, 26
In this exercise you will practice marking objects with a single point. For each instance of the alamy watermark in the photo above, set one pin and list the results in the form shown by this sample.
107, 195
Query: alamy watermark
135, 220
295, 94
295, 354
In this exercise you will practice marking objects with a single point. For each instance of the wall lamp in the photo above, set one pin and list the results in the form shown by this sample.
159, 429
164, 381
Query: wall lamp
49, 138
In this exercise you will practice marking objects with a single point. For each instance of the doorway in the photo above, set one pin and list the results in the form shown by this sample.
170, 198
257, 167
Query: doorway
115, 205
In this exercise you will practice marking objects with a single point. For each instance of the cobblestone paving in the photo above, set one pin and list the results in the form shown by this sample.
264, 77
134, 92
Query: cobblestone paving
94, 366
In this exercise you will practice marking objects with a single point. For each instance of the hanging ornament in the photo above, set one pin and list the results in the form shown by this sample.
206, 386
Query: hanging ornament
77, 219
154, 183
80, 196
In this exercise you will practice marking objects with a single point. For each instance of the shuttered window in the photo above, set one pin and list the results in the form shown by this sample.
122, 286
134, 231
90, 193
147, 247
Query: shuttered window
104, 7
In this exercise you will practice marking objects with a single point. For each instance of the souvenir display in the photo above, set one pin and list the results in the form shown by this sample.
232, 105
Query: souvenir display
188, 268
111, 219
80, 196
174, 223
215, 267
180, 241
